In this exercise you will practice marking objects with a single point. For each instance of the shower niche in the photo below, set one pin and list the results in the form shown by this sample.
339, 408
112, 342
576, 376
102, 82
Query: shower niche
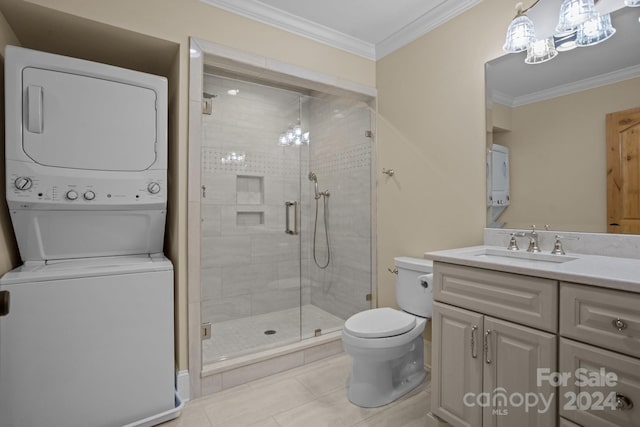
249, 192
260, 286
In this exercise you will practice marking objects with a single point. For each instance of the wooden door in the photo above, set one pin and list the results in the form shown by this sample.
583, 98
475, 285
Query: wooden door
513, 355
623, 172
457, 365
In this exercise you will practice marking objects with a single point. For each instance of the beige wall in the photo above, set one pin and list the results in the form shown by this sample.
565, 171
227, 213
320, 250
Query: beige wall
431, 131
9, 255
557, 154
176, 21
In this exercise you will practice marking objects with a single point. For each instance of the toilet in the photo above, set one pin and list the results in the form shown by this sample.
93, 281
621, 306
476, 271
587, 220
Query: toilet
386, 344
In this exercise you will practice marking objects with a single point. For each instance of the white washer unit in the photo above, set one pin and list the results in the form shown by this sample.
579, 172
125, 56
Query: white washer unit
86, 324
86, 157
87, 342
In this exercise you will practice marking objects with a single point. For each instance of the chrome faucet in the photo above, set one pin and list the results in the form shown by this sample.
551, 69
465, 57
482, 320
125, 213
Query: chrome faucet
533, 240
557, 246
513, 242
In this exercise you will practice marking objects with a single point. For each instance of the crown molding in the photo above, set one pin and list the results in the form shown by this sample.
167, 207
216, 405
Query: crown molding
443, 12
567, 89
258, 11
294, 24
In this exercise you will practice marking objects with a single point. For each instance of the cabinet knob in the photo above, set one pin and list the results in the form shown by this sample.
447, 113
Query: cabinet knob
619, 324
623, 403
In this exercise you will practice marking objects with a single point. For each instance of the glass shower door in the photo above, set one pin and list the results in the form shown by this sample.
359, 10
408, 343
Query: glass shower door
250, 267
337, 254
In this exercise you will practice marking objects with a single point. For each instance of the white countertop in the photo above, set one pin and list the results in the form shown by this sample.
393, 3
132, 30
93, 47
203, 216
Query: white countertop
604, 271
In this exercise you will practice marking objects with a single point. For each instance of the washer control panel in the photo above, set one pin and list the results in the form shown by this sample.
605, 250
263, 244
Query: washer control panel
132, 188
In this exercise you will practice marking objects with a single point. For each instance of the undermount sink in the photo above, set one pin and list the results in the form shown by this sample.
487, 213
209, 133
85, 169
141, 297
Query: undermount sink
500, 254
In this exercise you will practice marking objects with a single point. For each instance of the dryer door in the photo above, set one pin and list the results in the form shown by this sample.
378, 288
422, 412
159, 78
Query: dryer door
81, 122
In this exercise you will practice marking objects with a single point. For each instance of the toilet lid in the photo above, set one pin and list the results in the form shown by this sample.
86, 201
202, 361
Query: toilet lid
379, 323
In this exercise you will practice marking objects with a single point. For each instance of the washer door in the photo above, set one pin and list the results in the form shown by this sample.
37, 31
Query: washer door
81, 122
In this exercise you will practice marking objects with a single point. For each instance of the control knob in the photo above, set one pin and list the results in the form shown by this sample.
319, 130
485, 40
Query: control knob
89, 195
72, 195
153, 188
23, 183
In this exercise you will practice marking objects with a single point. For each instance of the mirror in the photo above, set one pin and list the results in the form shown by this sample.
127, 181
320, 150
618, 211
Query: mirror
551, 117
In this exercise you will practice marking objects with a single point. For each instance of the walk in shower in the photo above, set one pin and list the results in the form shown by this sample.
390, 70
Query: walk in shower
286, 247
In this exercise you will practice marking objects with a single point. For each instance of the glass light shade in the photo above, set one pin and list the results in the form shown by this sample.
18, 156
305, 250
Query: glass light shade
541, 51
632, 3
305, 137
297, 130
565, 43
283, 140
595, 31
519, 34
573, 13
291, 135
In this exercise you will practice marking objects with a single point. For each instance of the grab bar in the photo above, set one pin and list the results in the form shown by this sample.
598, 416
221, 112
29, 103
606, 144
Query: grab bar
288, 229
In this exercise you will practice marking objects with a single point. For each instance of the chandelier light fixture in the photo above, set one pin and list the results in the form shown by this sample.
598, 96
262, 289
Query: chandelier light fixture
579, 25
293, 136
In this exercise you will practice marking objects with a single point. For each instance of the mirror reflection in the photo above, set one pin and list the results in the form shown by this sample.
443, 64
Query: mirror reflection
552, 119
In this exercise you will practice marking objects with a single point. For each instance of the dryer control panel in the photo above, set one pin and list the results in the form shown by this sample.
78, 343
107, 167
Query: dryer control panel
26, 189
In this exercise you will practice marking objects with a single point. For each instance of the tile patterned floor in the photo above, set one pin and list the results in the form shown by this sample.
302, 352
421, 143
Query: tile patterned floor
243, 336
314, 395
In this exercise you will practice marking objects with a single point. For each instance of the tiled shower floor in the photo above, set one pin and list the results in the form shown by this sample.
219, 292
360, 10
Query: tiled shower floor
247, 335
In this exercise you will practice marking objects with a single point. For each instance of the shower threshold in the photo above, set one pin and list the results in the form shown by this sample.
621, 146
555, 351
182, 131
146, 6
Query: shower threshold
247, 337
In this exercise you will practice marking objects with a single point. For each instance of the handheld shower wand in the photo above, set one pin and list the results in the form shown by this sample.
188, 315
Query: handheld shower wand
314, 178
325, 196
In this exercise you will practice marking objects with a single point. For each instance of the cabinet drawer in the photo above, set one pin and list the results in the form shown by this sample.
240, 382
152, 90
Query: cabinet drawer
574, 355
590, 314
522, 299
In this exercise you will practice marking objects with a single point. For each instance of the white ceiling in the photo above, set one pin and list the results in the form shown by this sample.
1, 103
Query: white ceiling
369, 28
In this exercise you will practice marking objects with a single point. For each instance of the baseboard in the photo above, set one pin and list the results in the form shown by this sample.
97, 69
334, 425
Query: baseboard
182, 385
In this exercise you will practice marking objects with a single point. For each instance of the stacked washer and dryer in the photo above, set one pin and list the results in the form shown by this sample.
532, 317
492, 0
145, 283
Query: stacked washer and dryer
86, 326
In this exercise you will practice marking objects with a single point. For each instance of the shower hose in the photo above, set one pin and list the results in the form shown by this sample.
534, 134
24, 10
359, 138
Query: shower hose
326, 233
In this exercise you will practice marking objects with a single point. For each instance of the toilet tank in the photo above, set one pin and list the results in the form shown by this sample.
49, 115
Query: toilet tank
414, 285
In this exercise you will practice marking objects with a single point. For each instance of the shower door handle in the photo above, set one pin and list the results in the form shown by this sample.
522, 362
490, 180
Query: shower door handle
287, 209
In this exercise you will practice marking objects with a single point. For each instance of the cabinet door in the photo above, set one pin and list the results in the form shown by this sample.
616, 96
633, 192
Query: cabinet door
513, 354
457, 364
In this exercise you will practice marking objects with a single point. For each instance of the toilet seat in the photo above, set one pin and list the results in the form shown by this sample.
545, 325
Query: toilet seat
380, 323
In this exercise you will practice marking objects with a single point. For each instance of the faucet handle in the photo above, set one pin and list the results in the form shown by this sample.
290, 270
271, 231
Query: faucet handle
513, 243
557, 246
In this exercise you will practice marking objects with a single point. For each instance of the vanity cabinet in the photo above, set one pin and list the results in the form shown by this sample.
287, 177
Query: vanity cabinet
600, 333
485, 350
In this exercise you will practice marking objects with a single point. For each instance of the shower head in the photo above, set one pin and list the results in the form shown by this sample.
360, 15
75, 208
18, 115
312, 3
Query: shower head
313, 177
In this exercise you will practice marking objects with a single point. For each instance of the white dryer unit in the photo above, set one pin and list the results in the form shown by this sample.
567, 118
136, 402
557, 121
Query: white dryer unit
86, 157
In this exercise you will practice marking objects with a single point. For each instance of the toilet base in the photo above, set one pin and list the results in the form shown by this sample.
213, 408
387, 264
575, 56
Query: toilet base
373, 395
375, 383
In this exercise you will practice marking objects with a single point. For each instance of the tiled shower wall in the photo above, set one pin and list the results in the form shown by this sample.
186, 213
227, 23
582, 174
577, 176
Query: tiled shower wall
340, 155
249, 265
